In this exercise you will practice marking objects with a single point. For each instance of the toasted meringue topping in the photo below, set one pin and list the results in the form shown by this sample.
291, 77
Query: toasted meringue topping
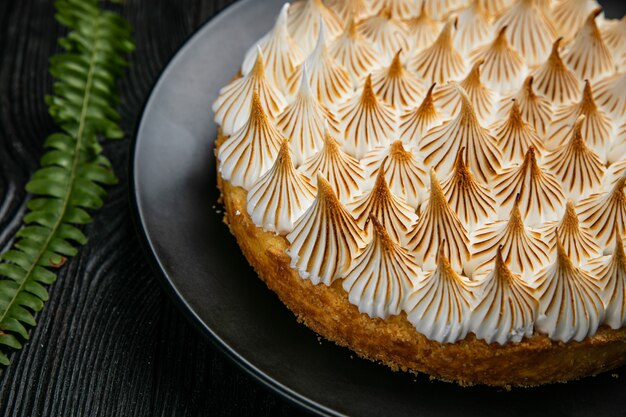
570, 15
503, 68
441, 144
393, 212
577, 239
474, 27
234, 102
396, 86
535, 109
422, 30
496, 7
530, 31
570, 305
614, 35
329, 80
605, 213
439, 9
307, 18
251, 150
507, 308
382, 276
414, 123
355, 52
351, 9
611, 273
281, 53
596, 127
343, 171
481, 97
303, 121
588, 56
404, 172
440, 305
325, 238
578, 167
439, 223
554, 80
515, 136
523, 248
401, 9
388, 34
280, 196
367, 122
540, 194
440, 62
615, 171
470, 200
618, 147
610, 93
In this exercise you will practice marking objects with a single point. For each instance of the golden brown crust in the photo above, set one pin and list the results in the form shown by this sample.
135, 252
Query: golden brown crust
395, 342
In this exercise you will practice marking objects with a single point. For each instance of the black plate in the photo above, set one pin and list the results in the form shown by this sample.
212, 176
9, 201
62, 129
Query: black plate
176, 205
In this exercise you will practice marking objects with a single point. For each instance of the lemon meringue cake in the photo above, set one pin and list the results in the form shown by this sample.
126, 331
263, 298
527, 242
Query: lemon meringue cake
438, 185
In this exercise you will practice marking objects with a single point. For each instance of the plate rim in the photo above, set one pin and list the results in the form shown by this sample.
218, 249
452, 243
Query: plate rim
266, 381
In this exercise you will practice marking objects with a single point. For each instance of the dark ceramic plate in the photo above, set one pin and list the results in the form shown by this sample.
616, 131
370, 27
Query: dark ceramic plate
177, 212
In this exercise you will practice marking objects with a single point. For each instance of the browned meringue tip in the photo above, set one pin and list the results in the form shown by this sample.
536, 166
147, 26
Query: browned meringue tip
324, 189
381, 232
259, 63
257, 112
593, 14
396, 68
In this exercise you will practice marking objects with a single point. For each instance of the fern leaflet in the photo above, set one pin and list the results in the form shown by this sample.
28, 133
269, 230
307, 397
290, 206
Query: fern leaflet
73, 170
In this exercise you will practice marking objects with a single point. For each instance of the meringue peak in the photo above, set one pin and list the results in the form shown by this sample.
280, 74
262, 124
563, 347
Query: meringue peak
440, 62
404, 172
307, 18
415, 123
438, 222
342, 170
515, 136
396, 86
251, 150
605, 213
394, 213
578, 167
611, 271
451, 293
588, 55
367, 121
597, 126
507, 309
281, 195
329, 80
530, 30
471, 200
382, 276
352, 50
282, 54
233, 104
304, 121
569, 300
504, 66
577, 240
542, 197
441, 144
325, 238
555, 80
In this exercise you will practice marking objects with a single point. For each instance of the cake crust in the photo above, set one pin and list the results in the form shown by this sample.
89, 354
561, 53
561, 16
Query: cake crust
394, 341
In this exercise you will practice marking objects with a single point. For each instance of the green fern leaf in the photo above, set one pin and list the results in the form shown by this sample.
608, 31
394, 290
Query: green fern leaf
73, 171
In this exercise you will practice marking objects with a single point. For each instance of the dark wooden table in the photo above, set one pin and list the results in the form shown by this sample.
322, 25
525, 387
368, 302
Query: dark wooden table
109, 342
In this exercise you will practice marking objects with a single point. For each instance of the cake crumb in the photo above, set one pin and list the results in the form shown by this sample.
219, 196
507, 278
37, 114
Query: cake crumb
616, 376
237, 213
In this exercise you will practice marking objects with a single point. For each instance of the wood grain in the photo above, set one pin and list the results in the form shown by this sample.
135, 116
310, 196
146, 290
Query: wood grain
109, 342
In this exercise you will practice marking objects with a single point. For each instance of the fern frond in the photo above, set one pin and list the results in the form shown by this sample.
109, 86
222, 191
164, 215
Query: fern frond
73, 170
